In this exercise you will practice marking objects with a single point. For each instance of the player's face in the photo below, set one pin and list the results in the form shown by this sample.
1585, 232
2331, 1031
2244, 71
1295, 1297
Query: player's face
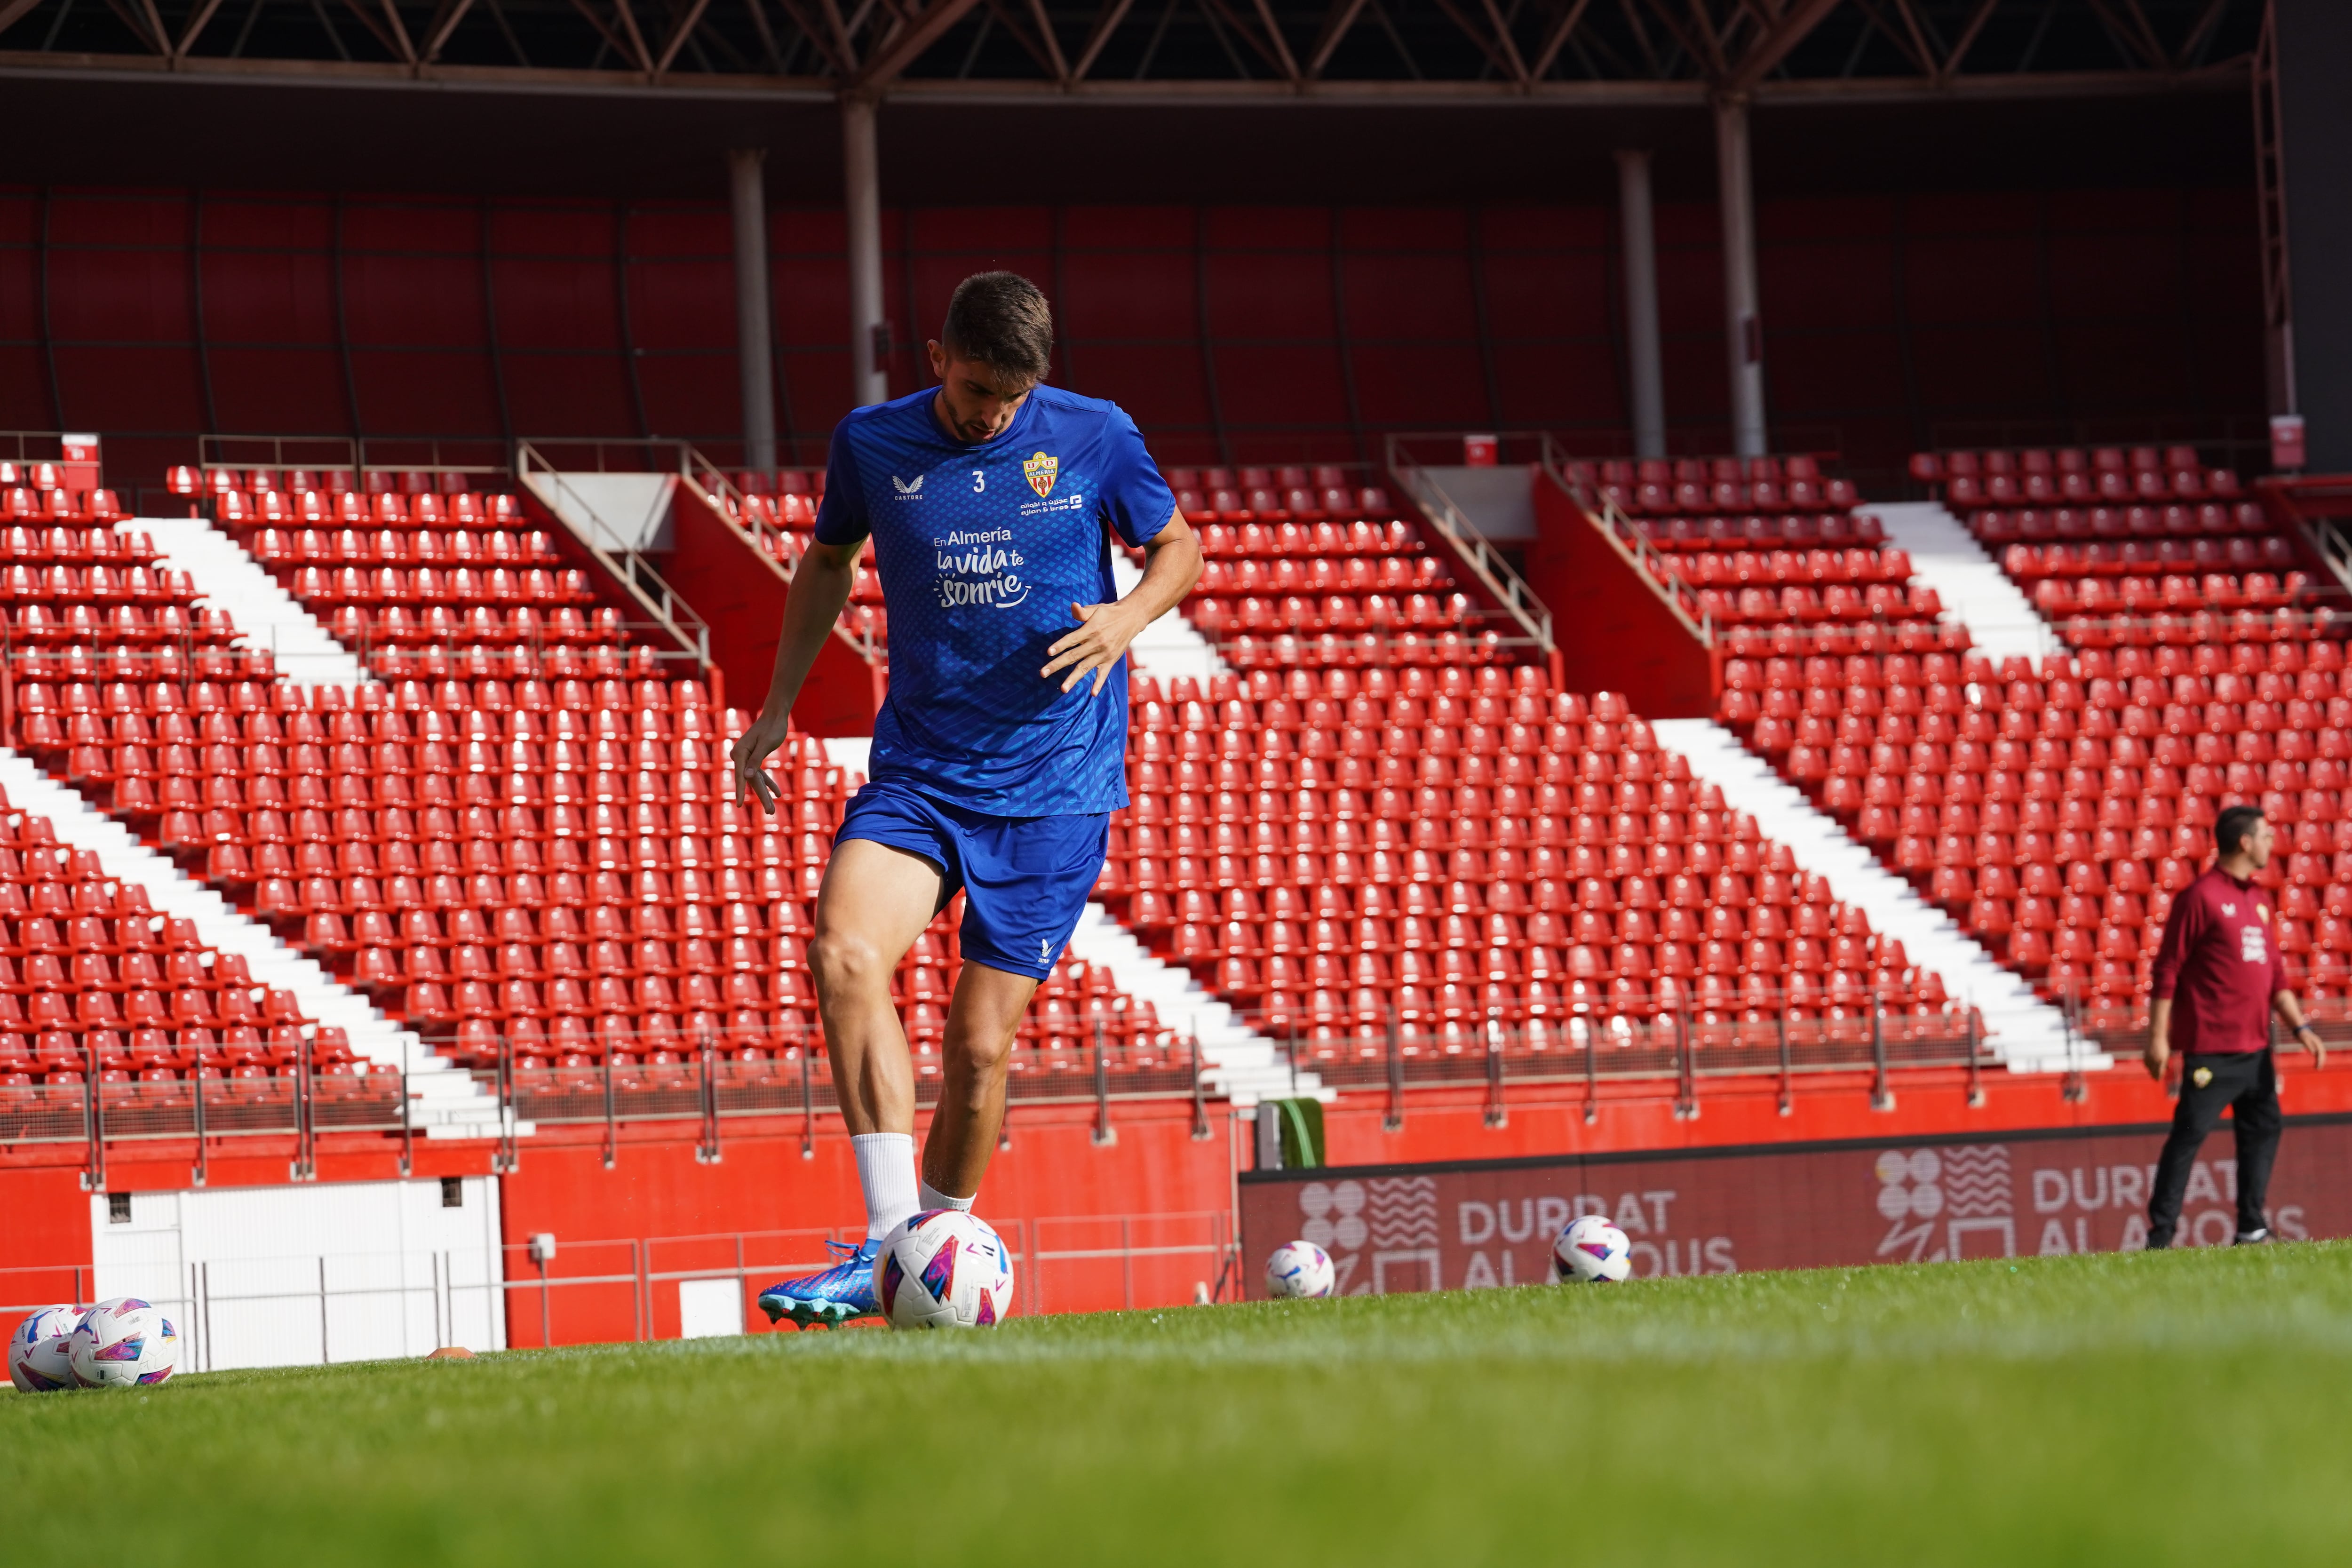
975, 401
2258, 843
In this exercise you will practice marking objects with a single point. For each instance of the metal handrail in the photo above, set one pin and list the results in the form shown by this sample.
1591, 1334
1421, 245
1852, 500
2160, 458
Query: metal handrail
2323, 522
1504, 584
625, 563
779, 548
1652, 565
212, 453
2329, 538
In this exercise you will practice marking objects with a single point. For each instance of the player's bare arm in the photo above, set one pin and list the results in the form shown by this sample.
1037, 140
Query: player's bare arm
819, 590
1171, 565
2160, 1036
2290, 1012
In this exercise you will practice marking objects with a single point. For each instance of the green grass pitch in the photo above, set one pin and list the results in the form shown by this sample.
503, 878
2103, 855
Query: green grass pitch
2144, 1408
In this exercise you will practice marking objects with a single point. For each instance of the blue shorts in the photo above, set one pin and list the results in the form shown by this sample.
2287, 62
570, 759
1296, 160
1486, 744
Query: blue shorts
1025, 878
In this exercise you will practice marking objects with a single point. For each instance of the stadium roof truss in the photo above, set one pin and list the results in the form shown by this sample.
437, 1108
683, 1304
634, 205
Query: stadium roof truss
1599, 52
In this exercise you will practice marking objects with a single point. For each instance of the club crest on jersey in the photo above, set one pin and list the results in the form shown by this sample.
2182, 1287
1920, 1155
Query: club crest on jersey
1039, 472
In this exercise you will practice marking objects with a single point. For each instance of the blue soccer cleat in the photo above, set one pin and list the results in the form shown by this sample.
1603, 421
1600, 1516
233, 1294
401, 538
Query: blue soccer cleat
842, 1292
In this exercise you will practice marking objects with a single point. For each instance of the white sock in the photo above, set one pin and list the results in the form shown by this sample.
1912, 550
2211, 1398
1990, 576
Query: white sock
935, 1199
885, 1173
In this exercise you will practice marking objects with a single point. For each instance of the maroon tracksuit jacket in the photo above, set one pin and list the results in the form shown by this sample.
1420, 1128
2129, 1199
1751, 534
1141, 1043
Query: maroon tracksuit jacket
2219, 965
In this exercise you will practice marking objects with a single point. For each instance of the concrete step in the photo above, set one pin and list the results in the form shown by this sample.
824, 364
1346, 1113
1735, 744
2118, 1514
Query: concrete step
2028, 1033
1947, 557
375, 1038
231, 580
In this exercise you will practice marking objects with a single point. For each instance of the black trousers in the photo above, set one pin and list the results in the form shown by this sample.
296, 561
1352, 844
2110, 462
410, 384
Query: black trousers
2247, 1082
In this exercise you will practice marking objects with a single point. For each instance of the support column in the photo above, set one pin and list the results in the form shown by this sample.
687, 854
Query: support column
1645, 370
753, 339
869, 331
2311, 314
1743, 326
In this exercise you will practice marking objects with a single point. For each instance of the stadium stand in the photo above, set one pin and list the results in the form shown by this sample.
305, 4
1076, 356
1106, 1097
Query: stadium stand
1769, 553
388, 560
95, 983
2054, 807
526, 849
1373, 825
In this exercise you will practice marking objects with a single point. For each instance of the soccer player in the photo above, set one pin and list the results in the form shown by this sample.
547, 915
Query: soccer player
2219, 978
1002, 748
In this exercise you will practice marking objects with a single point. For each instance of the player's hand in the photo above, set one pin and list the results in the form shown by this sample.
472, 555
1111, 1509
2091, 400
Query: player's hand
752, 779
1103, 633
2317, 1050
2158, 1054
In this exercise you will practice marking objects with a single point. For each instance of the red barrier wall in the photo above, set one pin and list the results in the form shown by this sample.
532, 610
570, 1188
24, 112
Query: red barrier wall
1053, 1190
1882, 1200
740, 594
1613, 631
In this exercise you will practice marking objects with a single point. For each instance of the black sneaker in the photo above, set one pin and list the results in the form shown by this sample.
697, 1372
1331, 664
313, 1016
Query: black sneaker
2258, 1237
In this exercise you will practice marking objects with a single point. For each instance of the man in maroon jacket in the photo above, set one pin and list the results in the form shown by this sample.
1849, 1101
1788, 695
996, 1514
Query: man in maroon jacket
2219, 978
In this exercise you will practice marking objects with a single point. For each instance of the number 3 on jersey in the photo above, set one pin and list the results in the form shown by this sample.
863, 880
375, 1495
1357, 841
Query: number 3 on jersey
979, 480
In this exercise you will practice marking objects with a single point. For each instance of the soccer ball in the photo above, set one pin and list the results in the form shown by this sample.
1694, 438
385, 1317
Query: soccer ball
123, 1342
944, 1268
1590, 1251
1298, 1268
37, 1350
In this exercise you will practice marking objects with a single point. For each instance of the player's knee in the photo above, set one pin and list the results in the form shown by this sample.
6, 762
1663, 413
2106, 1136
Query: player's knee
988, 1051
842, 962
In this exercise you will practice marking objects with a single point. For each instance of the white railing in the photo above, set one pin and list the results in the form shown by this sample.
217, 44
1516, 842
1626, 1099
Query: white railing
623, 560
780, 548
1509, 589
1650, 564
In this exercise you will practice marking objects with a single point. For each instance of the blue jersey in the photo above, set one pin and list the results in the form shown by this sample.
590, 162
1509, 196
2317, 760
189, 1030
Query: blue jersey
981, 551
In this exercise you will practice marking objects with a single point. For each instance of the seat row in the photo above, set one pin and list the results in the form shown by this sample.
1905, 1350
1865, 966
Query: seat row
240, 513
2207, 523
534, 585
1802, 568
1298, 613
1303, 543
23, 505
43, 624
1295, 505
2058, 675
102, 586
246, 1060
2181, 593
2071, 474
523, 626
1795, 495
2032, 562
1224, 577
276, 547
1881, 603
1834, 530
187, 479
68, 546
573, 706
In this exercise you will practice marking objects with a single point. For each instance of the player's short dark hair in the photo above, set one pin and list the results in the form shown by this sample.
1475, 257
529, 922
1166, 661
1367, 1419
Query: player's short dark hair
2230, 830
1001, 321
